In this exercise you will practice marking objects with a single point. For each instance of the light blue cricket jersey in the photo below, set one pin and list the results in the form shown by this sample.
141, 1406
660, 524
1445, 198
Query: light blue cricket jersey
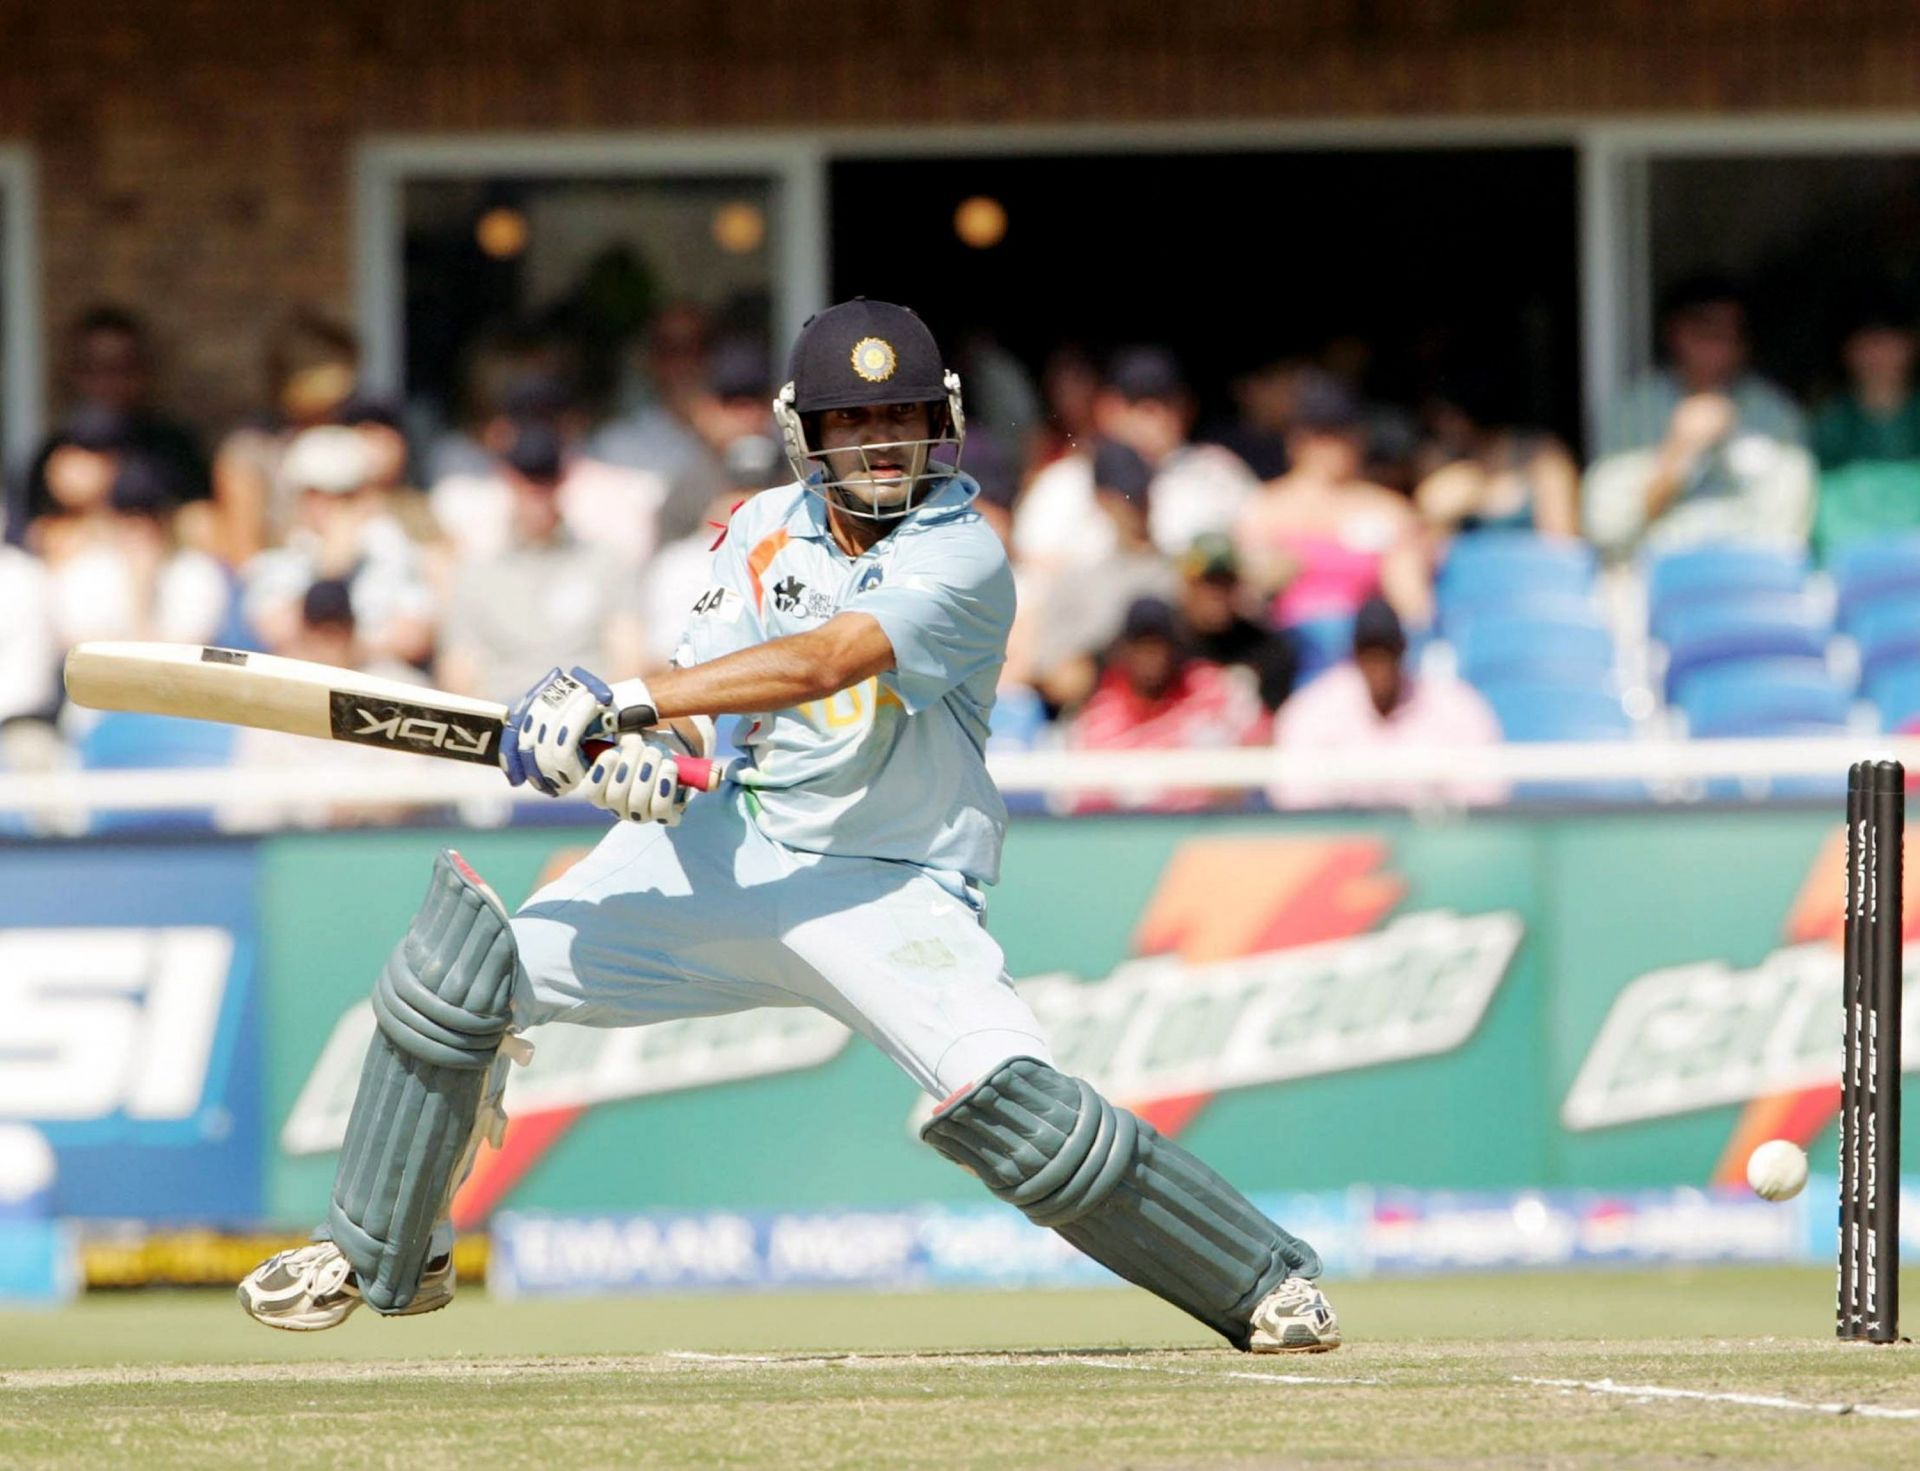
894, 767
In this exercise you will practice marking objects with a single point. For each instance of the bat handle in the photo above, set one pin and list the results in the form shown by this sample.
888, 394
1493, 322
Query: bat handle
702, 773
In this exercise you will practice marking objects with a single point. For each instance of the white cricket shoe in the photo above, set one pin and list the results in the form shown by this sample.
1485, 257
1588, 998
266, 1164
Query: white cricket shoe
1294, 1318
313, 1287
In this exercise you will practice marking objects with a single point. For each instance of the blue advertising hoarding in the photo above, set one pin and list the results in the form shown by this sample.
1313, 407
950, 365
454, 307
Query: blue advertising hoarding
132, 1033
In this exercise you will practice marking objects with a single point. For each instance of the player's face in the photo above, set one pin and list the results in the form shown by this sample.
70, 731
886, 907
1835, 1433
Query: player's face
870, 452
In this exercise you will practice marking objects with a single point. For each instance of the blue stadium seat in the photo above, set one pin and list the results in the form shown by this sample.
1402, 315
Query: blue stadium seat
1895, 692
1019, 718
1320, 644
1762, 626
1531, 710
1501, 569
1869, 572
1576, 650
1699, 576
1549, 710
1888, 632
1764, 697
122, 741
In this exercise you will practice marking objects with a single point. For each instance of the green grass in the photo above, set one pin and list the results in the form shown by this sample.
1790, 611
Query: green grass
1000, 1380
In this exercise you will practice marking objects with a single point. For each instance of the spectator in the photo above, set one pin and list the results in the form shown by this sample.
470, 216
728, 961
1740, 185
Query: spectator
110, 372
389, 458
1868, 438
1144, 404
1211, 603
311, 366
1069, 383
992, 462
1371, 703
1320, 540
736, 400
1077, 618
342, 530
1155, 695
116, 568
1263, 400
1495, 476
1001, 393
28, 654
1390, 435
379, 426
659, 438
994, 465
609, 507
546, 597
1877, 417
324, 632
683, 569
1704, 448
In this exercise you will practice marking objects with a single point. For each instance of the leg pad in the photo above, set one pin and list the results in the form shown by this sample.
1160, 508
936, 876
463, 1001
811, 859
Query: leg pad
443, 1004
1138, 1204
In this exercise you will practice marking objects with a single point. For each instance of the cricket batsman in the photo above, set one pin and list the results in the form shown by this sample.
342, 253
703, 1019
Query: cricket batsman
858, 619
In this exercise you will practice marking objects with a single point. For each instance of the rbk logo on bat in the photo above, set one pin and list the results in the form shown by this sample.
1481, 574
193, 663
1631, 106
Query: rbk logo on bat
405, 727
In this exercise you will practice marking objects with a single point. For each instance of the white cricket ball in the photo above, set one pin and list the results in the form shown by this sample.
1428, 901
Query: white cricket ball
1777, 1170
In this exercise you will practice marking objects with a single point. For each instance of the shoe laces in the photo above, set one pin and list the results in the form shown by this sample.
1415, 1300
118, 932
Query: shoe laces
1295, 1297
315, 1272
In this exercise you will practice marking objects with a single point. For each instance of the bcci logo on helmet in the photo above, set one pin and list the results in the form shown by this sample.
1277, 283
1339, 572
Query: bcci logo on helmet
874, 359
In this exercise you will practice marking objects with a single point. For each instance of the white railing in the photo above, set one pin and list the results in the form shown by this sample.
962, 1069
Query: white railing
1675, 770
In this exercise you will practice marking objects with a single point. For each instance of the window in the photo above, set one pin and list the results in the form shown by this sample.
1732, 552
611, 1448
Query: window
1813, 237
510, 264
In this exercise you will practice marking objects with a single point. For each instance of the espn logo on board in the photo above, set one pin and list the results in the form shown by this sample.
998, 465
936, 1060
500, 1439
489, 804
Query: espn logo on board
109, 1021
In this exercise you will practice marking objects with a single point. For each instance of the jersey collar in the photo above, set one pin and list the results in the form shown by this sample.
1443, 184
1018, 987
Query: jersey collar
952, 495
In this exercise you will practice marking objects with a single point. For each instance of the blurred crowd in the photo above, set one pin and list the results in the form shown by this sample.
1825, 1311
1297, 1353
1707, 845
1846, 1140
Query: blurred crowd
1266, 578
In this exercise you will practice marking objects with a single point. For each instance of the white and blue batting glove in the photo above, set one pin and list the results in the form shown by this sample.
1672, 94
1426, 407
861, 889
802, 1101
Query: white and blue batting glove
638, 782
545, 727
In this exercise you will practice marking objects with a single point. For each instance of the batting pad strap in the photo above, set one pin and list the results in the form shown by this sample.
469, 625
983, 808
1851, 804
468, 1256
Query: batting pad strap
1138, 1204
442, 1003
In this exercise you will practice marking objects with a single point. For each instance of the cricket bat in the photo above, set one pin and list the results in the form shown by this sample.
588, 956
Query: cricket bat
267, 692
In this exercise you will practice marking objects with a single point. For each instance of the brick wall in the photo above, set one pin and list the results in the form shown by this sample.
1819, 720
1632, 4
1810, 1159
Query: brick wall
195, 154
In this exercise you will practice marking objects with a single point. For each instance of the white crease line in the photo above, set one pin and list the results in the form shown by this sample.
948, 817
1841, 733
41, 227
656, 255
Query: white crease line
687, 1353
1759, 1401
1212, 1374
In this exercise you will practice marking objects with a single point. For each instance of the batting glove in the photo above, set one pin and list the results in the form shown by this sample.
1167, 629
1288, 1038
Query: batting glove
546, 726
638, 782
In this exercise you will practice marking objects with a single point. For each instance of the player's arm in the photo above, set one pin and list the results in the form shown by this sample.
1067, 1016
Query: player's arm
778, 674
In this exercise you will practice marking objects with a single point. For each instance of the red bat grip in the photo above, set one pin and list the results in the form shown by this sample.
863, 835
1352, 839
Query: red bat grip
702, 773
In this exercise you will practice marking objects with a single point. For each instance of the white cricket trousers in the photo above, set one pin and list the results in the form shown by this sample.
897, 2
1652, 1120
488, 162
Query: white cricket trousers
713, 916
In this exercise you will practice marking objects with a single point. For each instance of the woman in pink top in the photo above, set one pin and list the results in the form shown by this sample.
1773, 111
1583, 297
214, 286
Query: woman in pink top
1321, 539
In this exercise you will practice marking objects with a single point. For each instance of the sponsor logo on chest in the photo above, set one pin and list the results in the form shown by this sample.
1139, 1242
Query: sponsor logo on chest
795, 599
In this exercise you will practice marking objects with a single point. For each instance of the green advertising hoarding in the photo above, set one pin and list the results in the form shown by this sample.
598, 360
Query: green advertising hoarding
1495, 1003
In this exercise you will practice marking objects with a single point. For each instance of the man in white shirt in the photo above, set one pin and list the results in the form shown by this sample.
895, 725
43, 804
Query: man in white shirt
1144, 404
